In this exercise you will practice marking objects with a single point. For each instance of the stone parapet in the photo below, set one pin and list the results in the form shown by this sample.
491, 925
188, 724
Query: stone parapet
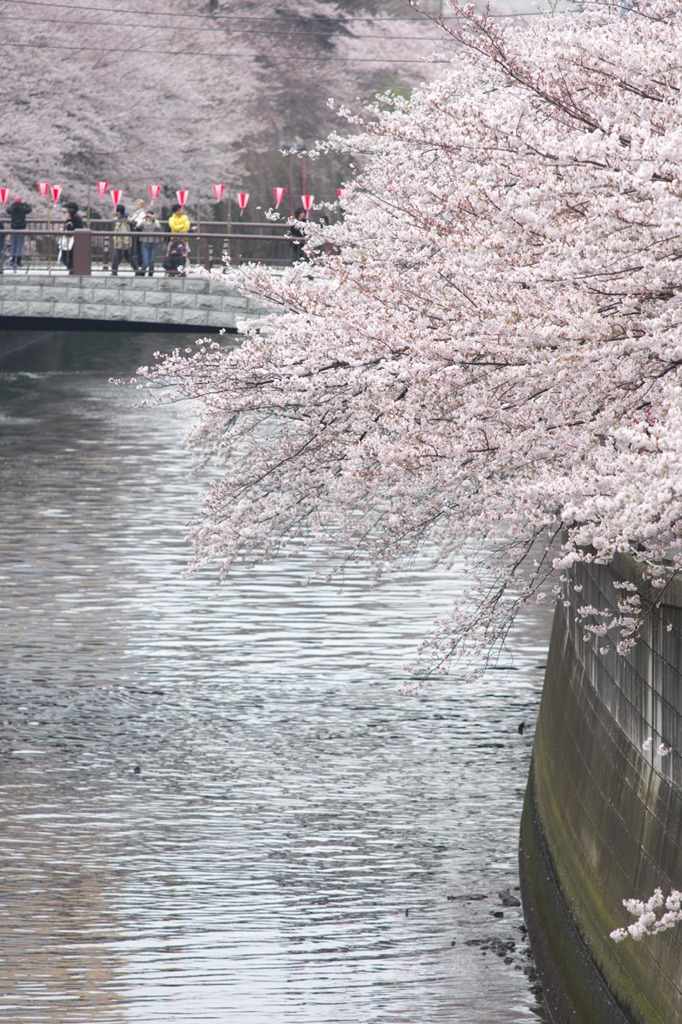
179, 301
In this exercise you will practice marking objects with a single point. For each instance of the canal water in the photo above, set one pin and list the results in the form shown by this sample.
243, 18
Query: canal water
215, 803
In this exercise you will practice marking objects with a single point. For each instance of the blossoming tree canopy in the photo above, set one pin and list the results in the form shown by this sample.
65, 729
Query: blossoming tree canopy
489, 358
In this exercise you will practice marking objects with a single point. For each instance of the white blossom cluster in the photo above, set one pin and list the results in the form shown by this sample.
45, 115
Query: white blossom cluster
486, 364
648, 922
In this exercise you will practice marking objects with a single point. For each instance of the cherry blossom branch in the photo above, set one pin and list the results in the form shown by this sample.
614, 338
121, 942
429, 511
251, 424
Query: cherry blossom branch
648, 922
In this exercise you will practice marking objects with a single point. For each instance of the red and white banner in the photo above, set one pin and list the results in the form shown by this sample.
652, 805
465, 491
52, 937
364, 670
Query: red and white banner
55, 191
102, 187
43, 188
4, 192
279, 195
116, 194
218, 192
243, 198
154, 191
307, 202
182, 194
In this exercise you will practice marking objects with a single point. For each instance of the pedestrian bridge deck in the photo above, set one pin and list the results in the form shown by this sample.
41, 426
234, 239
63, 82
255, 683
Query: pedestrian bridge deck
173, 302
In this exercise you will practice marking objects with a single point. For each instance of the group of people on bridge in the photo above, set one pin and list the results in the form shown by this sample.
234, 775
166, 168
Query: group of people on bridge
135, 237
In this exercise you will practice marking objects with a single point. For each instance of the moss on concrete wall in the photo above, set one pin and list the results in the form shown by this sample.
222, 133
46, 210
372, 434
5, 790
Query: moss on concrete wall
603, 816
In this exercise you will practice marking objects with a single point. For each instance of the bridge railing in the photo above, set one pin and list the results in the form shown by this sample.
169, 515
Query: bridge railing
209, 246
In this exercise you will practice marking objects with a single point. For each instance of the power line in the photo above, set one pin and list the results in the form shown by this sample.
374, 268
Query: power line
220, 22
218, 18
266, 33
196, 16
322, 59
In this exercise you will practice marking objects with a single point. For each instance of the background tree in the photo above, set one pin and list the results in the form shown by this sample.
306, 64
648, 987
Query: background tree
490, 363
188, 93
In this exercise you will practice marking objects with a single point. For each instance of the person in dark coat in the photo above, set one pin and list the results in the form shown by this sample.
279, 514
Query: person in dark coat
72, 222
296, 235
326, 248
18, 211
175, 258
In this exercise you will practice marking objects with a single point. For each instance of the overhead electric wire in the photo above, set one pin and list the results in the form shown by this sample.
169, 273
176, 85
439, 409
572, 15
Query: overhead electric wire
322, 59
220, 22
266, 33
230, 16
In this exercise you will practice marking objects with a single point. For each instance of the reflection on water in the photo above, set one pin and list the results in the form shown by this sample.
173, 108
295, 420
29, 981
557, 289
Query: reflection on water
216, 805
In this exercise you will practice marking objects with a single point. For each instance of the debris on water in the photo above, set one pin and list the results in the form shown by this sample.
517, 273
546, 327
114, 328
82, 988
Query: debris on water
493, 944
507, 899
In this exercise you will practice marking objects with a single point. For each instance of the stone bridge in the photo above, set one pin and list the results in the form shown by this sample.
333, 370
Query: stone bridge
38, 299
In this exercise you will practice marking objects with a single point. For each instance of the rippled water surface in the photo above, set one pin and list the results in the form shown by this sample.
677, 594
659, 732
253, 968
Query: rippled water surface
215, 803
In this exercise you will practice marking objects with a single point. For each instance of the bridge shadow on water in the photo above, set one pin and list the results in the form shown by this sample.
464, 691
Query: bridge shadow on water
86, 348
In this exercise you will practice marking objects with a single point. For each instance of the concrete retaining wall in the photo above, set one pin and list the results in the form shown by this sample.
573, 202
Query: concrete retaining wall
188, 302
603, 814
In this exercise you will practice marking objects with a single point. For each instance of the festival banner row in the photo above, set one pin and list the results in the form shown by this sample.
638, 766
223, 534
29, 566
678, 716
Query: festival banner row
48, 191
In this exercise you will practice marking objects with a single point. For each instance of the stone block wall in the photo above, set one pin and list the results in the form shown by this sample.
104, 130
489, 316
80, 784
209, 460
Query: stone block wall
203, 303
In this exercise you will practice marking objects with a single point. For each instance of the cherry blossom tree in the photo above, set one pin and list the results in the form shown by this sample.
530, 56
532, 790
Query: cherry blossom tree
487, 364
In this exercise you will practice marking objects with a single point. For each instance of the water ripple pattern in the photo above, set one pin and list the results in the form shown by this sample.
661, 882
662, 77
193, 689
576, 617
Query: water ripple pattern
216, 804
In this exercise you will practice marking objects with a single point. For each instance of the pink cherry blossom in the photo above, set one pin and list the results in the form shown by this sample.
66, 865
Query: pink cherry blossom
486, 367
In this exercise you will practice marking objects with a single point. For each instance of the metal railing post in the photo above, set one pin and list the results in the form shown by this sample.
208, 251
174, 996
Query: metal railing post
82, 252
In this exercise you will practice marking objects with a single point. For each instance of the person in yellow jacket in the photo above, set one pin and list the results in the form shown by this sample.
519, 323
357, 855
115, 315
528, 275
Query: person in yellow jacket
178, 222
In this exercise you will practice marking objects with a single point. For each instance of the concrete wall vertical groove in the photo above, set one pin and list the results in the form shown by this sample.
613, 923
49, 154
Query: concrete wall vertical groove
603, 814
